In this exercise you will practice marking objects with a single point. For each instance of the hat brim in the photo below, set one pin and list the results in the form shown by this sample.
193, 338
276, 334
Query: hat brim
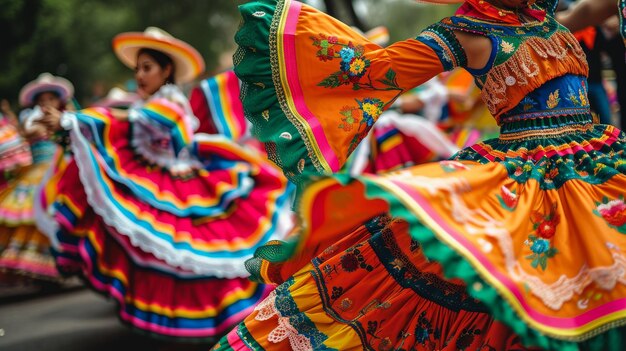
188, 62
62, 87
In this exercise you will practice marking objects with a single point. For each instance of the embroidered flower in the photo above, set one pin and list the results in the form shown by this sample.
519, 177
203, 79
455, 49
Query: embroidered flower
347, 54
345, 304
613, 212
583, 97
351, 116
467, 338
349, 262
540, 246
357, 67
546, 229
553, 99
337, 292
507, 47
541, 251
372, 109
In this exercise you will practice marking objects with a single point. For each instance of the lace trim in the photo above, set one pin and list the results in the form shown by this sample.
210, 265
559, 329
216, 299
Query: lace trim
520, 68
143, 238
144, 138
284, 330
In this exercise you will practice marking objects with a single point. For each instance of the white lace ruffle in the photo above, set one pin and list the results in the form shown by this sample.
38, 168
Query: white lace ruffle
44, 218
144, 239
284, 330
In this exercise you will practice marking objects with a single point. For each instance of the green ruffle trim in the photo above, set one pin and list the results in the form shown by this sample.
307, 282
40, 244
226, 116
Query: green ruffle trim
457, 266
264, 102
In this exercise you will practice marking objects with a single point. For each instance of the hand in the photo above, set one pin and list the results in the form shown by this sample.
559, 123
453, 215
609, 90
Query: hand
37, 132
411, 104
5, 107
51, 119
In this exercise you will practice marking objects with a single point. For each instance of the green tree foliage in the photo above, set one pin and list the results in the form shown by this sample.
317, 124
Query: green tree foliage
72, 38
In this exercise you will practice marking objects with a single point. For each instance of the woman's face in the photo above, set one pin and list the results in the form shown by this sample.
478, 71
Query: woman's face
49, 99
511, 4
149, 75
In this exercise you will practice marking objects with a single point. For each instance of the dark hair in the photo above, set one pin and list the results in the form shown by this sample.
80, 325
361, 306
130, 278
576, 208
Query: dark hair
53, 92
162, 60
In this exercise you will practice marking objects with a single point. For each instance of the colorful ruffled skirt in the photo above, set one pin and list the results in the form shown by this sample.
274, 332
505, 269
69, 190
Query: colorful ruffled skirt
514, 243
400, 141
24, 250
14, 152
169, 249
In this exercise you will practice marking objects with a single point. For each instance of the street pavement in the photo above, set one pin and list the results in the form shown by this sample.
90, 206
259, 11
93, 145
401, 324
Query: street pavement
73, 320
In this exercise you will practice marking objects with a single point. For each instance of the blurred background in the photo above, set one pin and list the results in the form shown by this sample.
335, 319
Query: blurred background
72, 38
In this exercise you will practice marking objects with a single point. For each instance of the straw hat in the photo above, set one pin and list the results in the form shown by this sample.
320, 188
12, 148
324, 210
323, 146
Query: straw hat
117, 98
46, 82
187, 60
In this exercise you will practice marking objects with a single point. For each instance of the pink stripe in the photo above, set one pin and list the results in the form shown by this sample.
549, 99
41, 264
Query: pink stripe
231, 93
291, 70
16, 215
155, 328
35, 268
235, 342
555, 322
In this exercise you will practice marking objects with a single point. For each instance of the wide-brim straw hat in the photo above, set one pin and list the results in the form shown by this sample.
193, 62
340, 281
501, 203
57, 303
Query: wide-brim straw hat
117, 98
46, 82
188, 62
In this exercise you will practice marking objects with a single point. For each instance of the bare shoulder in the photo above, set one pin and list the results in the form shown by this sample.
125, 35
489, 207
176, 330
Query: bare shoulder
477, 48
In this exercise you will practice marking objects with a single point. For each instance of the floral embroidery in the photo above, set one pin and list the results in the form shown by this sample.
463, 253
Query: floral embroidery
365, 115
508, 199
354, 71
507, 47
553, 99
528, 104
351, 116
574, 99
467, 338
613, 212
424, 331
539, 243
353, 65
583, 97
353, 260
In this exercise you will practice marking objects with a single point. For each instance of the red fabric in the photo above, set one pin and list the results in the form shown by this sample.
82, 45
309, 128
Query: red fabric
484, 10
587, 36
200, 108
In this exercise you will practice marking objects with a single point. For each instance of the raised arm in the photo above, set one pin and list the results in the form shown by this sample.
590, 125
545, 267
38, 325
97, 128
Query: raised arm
587, 13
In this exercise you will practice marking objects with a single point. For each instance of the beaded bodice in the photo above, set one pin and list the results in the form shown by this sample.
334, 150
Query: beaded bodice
535, 70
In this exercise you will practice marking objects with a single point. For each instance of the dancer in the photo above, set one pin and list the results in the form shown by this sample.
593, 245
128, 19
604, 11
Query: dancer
515, 242
24, 249
163, 220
